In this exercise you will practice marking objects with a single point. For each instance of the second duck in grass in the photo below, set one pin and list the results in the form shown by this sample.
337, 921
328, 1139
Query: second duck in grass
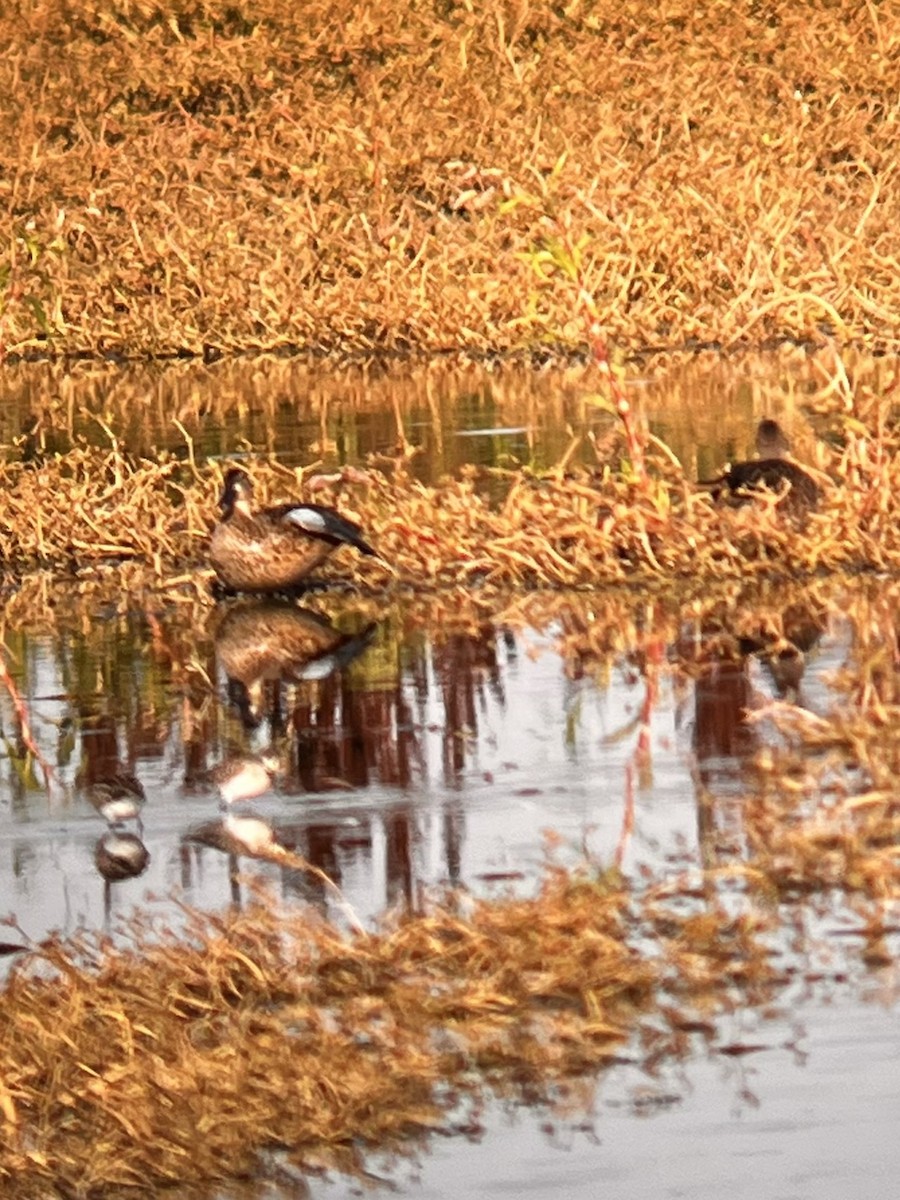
773, 470
274, 549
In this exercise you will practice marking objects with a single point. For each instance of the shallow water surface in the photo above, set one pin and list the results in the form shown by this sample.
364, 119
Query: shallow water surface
813, 1119
418, 745
705, 408
418, 754
406, 759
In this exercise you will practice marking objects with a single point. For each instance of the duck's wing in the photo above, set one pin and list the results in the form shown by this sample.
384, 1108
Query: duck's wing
775, 474
770, 474
319, 521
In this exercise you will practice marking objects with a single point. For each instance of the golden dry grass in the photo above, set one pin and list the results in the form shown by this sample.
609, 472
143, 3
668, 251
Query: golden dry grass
635, 517
188, 1060
210, 176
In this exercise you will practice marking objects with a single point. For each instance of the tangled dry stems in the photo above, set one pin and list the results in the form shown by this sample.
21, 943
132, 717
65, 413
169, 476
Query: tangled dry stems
571, 527
211, 176
191, 1058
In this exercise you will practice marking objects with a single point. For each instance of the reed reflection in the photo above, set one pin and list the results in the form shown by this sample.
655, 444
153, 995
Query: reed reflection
101, 770
467, 666
350, 733
356, 733
777, 642
345, 731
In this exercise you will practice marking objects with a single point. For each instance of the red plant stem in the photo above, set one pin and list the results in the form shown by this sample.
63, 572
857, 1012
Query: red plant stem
600, 353
641, 757
627, 817
24, 724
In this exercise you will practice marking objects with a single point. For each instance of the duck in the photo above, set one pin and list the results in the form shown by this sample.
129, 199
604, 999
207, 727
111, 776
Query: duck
773, 470
118, 798
274, 549
244, 777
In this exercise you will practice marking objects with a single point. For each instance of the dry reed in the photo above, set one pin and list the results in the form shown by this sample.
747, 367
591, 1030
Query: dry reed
215, 176
72, 514
195, 1059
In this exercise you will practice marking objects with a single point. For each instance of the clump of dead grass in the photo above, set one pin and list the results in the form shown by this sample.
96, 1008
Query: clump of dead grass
186, 1059
727, 175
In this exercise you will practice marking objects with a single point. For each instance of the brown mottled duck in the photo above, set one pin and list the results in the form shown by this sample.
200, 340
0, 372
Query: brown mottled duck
118, 798
274, 549
244, 777
772, 471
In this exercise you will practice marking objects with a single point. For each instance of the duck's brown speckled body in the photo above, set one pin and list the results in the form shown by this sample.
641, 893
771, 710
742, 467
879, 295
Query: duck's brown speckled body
773, 471
274, 549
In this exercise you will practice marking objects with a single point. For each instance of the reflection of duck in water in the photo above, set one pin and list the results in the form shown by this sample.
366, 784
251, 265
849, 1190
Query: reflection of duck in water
238, 778
246, 835
785, 657
239, 834
720, 661
274, 549
272, 640
771, 471
119, 855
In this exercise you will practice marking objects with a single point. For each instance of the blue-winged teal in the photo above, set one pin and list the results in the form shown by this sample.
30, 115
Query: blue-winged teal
118, 798
772, 471
274, 549
244, 777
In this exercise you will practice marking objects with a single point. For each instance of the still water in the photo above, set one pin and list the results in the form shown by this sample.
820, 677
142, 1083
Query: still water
705, 408
421, 743
408, 758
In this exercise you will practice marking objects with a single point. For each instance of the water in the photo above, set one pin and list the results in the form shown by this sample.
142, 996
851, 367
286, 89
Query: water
422, 761
705, 408
790, 1124
422, 745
